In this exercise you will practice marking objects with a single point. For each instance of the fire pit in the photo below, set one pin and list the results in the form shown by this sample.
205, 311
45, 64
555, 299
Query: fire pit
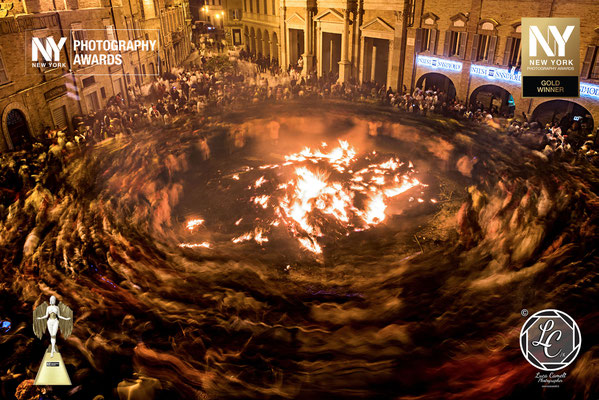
312, 251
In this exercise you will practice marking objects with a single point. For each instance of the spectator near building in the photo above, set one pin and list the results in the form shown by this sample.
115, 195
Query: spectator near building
33, 98
470, 50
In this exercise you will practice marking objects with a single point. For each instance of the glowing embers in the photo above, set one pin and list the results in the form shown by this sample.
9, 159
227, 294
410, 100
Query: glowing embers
325, 191
194, 223
315, 194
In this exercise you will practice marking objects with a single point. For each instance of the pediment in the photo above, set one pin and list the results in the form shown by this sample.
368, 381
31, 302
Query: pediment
296, 19
329, 15
377, 24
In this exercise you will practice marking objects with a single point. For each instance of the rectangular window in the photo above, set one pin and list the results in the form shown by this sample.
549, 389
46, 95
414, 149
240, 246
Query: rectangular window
454, 40
455, 44
3, 74
137, 31
236, 36
78, 34
595, 65
428, 40
103, 92
274, 8
411, 11
251, 5
128, 27
87, 82
483, 48
141, 9
110, 33
257, 6
92, 101
265, 7
59, 115
515, 53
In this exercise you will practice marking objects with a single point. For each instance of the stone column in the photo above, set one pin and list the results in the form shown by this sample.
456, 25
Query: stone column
308, 50
283, 47
362, 55
345, 64
373, 65
390, 81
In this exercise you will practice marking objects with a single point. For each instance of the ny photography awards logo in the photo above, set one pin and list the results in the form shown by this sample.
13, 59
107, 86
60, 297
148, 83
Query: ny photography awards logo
550, 57
85, 48
550, 341
49, 51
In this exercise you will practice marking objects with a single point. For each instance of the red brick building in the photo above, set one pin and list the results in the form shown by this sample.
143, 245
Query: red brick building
480, 40
34, 98
469, 48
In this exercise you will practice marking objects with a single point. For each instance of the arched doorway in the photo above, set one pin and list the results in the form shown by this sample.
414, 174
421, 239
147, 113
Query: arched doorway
274, 52
569, 115
266, 45
438, 82
494, 99
259, 42
17, 128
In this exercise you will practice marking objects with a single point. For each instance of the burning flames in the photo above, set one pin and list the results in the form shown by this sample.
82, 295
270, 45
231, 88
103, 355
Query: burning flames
326, 189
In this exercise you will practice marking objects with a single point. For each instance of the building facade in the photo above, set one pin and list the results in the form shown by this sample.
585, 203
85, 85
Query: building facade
34, 98
470, 49
262, 26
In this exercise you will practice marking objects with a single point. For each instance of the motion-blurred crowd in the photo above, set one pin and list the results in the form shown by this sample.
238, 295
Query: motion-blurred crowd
251, 79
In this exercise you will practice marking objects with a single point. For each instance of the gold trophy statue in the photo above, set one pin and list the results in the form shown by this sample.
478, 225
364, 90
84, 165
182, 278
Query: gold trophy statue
52, 371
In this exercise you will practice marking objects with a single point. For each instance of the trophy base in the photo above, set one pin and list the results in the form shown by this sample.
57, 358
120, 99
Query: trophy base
52, 371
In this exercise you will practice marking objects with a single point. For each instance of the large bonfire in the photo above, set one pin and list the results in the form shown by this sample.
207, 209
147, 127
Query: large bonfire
320, 189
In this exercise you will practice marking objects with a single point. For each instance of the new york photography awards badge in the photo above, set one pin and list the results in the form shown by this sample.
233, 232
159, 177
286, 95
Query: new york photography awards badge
550, 57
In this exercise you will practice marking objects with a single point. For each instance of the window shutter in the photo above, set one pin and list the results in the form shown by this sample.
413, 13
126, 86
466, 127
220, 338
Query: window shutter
508, 50
433, 39
418, 40
60, 117
463, 43
492, 47
474, 53
447, 43
588, 59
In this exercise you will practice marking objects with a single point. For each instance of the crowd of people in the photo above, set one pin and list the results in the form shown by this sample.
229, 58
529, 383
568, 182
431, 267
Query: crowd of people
236, 80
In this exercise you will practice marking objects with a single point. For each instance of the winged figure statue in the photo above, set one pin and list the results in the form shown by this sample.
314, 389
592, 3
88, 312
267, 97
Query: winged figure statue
57, 317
